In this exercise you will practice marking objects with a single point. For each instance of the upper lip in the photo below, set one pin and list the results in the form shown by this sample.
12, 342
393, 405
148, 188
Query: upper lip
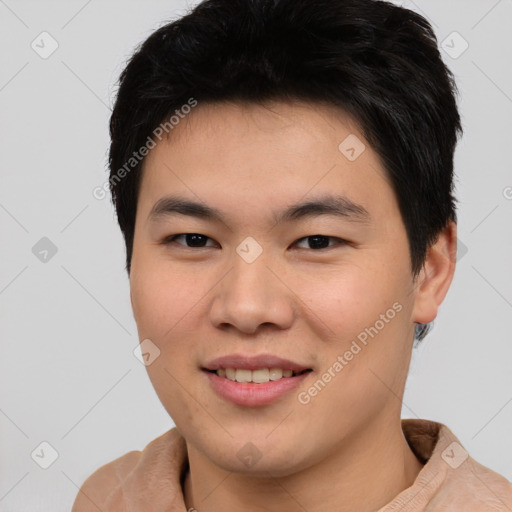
253, 363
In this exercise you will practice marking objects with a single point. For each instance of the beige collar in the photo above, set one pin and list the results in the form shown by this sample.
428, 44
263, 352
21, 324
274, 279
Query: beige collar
450, 479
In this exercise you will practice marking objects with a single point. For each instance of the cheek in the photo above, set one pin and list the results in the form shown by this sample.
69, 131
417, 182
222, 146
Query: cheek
161, 296
367, 321
351, 299
163, 301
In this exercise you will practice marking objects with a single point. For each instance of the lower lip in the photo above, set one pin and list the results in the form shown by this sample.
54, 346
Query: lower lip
250, 394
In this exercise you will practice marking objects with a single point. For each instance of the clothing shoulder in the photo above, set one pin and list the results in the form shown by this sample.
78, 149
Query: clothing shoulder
473, 487
95, 491
112, 486
451, 480
467, 484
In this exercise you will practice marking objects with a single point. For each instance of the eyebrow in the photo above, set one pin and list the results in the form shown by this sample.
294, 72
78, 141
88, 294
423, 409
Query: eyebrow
338, 206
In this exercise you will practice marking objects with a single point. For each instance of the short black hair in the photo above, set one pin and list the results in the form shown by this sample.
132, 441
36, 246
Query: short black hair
376, 61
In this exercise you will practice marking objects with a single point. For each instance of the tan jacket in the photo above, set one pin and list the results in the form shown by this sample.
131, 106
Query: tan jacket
450, 481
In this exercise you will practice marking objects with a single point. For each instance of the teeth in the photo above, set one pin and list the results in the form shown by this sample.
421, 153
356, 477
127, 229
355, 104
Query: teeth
259, 376
243, 375
275, 373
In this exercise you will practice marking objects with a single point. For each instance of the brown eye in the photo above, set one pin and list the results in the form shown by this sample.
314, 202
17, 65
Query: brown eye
319, 241
192, 240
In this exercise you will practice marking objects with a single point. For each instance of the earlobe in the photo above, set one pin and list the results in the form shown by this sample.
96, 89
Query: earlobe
434, 280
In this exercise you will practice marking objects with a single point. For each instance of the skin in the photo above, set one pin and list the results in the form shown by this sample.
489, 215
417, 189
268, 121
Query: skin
344, 450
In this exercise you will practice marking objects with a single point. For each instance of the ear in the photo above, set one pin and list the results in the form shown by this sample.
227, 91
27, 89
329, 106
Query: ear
434, 280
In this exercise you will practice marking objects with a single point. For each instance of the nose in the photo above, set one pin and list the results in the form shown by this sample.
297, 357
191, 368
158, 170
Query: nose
251, 297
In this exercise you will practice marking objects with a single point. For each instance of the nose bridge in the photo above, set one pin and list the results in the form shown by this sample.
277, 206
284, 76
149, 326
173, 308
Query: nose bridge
250, 294
249, 272
248, 281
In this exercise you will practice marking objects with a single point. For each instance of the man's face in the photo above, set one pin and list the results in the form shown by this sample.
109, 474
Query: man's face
333, 294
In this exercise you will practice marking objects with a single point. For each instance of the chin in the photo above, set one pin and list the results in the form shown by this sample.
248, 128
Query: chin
261, 465
259, 456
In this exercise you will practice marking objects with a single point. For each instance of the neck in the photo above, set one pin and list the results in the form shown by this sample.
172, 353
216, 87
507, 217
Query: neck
364, 474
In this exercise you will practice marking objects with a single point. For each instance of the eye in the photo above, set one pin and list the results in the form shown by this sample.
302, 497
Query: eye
319, 241
197, 240
191, 240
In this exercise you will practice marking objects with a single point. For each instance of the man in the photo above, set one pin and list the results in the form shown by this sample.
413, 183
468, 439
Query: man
282, 173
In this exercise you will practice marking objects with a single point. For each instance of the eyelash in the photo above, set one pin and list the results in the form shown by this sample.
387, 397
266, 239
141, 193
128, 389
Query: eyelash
172, 238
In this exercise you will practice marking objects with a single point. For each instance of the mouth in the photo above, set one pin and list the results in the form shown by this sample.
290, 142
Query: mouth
258, 376
252, 381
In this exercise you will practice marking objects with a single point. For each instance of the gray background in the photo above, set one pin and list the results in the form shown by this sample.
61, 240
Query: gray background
68, 373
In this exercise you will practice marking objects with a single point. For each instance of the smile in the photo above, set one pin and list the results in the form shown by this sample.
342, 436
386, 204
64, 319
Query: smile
258, 376
254, 388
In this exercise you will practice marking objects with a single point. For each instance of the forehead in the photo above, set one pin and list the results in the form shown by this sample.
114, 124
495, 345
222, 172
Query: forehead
241, 156
292, 121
